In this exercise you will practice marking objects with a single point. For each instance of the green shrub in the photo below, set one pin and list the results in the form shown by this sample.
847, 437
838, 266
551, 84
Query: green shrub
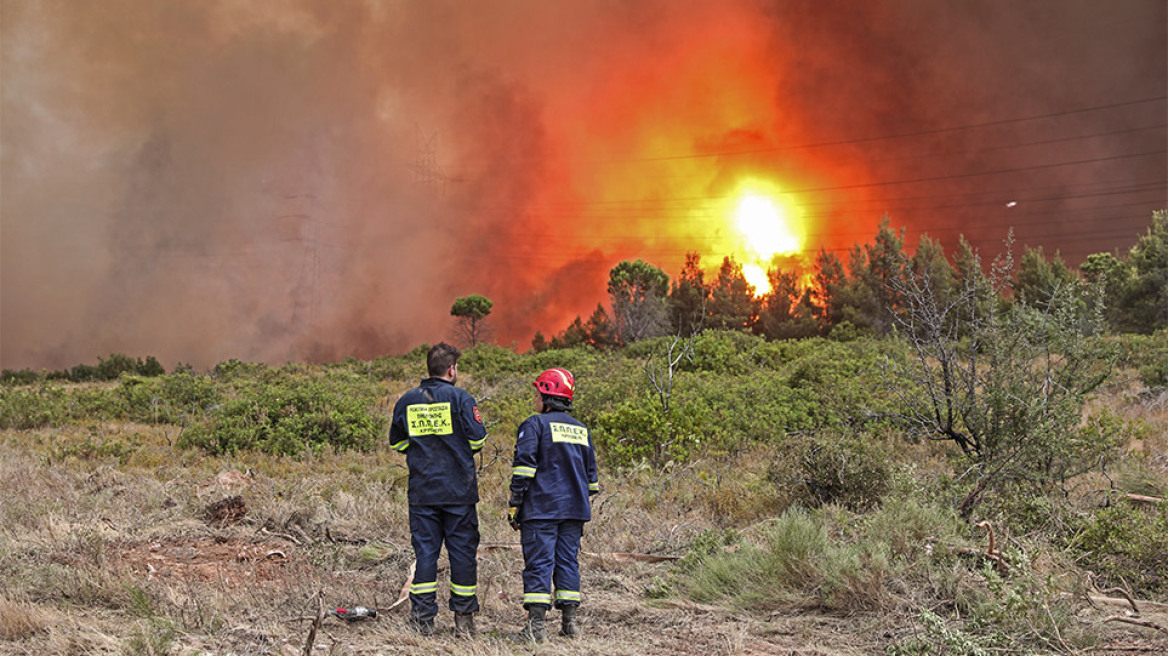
95, 447
591, 367
97, 402
25, 408
173, 399
727, 352
640, 430
111, 368
1156, 374
388, 368
911, 529
938, 638
776, 574
83, 373
19, 376
115, 365
853, 472
797, 564
487, 361
1127, 544
706, 544
754, 407
1141, 351
290, 419
233, 369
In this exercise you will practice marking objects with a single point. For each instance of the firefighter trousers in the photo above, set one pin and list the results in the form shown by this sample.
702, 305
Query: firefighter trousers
550, 558
458, 528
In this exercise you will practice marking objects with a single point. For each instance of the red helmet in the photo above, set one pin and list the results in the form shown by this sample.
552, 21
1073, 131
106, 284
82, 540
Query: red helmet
556, 382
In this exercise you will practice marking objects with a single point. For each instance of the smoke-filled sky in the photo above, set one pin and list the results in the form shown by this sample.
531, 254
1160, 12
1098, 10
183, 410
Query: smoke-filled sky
287, 180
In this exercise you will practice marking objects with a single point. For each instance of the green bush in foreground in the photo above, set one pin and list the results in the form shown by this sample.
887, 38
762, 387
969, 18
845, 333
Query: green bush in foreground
903, 556
1127, 546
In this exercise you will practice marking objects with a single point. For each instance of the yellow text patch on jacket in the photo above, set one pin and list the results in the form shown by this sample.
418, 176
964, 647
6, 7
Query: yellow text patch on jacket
569, 433
429, 419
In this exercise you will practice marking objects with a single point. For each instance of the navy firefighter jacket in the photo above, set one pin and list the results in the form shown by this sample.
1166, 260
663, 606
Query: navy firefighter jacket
554, 469
439, 428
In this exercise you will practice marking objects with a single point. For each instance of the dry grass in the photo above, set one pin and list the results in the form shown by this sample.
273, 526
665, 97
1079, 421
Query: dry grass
123, 557
19, 621
116, 554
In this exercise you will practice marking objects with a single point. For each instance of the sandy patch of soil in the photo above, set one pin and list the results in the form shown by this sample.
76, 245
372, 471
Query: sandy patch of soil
218, 559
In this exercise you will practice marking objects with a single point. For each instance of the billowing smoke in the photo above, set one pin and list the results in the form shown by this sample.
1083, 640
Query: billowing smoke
300, 179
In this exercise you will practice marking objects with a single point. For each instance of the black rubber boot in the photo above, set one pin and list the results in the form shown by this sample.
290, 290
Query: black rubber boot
464, 624
535, 629
568, 624
424, 627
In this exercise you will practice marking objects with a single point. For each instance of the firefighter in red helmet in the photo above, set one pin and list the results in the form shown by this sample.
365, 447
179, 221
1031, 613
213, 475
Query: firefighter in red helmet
552, 481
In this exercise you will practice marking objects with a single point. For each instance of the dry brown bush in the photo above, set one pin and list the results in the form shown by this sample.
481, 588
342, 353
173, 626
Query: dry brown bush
20, 620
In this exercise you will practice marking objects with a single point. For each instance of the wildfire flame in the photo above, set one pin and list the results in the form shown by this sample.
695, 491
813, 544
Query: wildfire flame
768, 227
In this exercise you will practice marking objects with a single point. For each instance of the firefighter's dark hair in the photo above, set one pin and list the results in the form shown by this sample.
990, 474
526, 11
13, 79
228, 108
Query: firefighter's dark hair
556, 403
441, 357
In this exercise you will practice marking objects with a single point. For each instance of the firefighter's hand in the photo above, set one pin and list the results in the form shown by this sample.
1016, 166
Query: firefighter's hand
513, 517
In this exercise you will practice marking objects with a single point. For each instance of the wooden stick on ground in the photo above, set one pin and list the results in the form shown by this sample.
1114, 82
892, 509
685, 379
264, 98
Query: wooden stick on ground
1143, 623
1126, 595
1140, 498
315, 624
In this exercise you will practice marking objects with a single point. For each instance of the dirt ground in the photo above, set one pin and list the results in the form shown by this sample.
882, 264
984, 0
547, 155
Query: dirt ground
189, 559
614, 621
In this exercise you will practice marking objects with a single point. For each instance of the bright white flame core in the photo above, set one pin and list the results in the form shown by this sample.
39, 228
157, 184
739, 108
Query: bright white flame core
756, 276
767, 231
765, 227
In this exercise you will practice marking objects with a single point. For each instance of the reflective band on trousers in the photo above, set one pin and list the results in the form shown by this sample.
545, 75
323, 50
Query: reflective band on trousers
523, 472
423, 588
567, 595
537, 598
463, 590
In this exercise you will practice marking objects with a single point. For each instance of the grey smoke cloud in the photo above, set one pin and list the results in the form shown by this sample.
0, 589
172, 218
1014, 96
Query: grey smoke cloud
303, 179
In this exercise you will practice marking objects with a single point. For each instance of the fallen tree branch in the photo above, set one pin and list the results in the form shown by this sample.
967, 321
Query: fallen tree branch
343, 540
1095, 600
1140, 498
1126, 595
1129, 620
634, 557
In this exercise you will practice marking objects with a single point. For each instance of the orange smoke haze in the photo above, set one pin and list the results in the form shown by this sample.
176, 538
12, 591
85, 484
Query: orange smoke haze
303, 180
